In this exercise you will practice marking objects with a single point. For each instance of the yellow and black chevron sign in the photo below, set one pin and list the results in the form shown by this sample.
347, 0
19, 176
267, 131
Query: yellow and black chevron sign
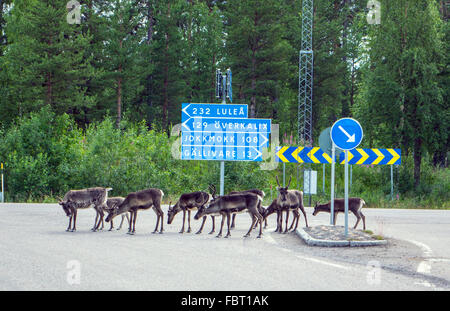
355, 157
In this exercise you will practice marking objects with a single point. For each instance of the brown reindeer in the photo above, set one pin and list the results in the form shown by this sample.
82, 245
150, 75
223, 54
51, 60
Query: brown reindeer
254, 191
111, 204
140, 200
230, 204
354, 205
83, 199
187, 203
290, 200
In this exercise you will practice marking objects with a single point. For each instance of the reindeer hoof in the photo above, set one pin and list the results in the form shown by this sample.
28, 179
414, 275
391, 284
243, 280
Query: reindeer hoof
198, 232
211, 232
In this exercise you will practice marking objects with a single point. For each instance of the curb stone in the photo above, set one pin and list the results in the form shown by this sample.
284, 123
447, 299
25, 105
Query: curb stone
330, 243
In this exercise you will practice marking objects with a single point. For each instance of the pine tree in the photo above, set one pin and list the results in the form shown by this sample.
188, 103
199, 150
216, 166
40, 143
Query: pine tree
402, 98
258, 51
45, 61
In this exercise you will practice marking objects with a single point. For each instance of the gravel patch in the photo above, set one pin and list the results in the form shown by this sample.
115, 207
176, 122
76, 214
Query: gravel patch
337, 233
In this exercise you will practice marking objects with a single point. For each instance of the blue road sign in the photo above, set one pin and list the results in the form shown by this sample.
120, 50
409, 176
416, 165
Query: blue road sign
231, 139
190, 110
227, 125
346, 133
221, 153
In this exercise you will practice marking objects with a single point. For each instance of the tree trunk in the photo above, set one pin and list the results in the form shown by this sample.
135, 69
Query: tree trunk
119, 101
417, 160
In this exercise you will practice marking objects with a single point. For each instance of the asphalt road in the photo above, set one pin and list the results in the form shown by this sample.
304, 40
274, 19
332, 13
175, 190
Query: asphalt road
36, 253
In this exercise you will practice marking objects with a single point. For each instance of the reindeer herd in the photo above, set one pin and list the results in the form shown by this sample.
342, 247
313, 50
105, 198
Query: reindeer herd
204, 203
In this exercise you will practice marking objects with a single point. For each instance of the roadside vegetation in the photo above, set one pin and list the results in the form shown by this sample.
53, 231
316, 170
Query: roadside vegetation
46, 154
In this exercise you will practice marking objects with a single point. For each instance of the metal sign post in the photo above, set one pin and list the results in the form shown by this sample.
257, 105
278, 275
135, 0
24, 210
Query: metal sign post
333, 165
346, 134
222, 163
346, 192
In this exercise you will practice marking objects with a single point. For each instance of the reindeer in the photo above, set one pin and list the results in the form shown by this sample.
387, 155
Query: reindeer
290, 200
354, 205
275, 208
112, 203
135, 201
254, 191
230, 204
189, 202
83, 199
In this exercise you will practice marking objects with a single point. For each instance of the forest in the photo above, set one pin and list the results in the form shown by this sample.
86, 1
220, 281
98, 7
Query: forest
93, 103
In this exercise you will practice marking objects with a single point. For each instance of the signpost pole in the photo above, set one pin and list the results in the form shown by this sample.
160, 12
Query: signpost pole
392, 182
222, 163
346, 193
323, 178
333, 161
284, 175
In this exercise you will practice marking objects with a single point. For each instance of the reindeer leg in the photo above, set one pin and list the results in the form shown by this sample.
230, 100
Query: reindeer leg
304, 214
75, 213
260, 224
201, 227
221, 226
189, 222
213, 224
335, 218
358, 218
364, 220
95, 223
101, 214
232, 223
228, 224
293, 220
287, 219
130, 223
280, 223
161, 214
251, 227
112, 226
70, 222
134, 221
184, 219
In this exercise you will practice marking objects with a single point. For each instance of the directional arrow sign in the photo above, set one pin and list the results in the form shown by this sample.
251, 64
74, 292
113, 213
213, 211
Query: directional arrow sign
230, 139
221, 153
227, 125
190, 110
346, 133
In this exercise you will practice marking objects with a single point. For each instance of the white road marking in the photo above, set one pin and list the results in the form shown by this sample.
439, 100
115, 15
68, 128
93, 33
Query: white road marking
271, 240
424, 266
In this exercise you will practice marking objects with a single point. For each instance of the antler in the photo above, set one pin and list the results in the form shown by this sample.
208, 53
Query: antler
278, 181
290, 177
213, 189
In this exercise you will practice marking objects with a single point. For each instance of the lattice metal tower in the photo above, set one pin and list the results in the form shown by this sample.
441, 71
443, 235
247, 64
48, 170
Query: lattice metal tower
306, 72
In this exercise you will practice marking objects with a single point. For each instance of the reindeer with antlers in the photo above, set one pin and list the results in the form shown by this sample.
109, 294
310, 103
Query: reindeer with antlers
289, 200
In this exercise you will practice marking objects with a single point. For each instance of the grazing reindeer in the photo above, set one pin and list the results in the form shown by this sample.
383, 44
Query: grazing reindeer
254, 191
275, 208
112, 203
354, 205
230, 204
135, 201
83, 199
290, 200
189, 202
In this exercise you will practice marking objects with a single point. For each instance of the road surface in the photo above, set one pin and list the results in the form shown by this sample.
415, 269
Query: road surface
38, 254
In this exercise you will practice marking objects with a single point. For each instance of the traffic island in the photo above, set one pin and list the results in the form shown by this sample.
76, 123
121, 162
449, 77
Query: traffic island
334, 236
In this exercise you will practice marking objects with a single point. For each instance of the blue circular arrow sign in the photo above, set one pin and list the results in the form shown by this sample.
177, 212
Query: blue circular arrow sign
346, 133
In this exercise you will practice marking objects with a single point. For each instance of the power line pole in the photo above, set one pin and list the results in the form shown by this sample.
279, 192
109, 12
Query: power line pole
306, 71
